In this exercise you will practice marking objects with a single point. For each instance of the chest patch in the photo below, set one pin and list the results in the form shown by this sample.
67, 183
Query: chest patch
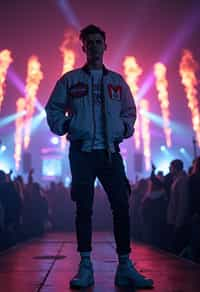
115, 91
79, 89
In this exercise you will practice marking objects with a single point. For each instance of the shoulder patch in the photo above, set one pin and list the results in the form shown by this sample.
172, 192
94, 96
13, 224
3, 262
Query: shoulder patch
115, 91
78, 90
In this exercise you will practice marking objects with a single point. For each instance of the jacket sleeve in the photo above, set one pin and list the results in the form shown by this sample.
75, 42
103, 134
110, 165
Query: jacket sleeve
56, 109
128, 112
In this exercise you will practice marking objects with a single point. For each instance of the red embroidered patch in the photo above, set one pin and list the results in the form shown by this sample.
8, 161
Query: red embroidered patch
115, 91
78, 90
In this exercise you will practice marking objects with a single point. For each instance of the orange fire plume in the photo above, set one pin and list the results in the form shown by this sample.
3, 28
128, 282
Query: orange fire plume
132, 73
69, 59
19, 124
144, 105
34, 76
161, 86
187, 69
5, 61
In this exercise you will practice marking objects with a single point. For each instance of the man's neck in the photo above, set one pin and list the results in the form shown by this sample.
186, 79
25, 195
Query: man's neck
95, 66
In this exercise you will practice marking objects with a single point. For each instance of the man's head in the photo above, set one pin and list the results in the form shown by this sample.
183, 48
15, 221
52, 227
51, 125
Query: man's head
94, 44
176, 166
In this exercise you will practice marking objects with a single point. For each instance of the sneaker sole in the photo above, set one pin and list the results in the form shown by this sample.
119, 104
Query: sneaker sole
124, 283
76, 286
130, 283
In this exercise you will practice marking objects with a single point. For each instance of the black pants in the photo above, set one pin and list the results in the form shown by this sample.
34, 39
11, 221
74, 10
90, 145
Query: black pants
85, 167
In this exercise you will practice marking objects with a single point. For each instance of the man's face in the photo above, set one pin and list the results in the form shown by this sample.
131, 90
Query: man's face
94, 47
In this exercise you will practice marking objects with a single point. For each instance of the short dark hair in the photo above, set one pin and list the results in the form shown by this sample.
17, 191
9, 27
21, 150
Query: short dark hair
89, 30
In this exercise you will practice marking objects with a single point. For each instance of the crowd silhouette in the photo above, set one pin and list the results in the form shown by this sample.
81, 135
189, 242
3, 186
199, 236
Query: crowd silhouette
164, 209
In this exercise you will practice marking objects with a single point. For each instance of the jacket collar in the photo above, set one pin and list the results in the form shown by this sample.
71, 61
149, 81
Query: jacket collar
86, 69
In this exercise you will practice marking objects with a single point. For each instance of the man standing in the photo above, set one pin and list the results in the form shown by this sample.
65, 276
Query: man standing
101, 113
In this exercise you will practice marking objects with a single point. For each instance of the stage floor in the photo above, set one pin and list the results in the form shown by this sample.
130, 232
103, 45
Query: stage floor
46, 264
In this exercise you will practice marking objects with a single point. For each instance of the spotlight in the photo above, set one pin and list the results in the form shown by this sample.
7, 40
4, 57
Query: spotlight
182, 150
162, 148
54, 140
3, 148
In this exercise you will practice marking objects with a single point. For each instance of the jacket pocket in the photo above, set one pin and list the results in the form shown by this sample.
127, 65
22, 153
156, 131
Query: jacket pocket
80, 127
117, 128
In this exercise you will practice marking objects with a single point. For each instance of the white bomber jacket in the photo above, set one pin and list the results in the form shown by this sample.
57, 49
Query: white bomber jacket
73, 95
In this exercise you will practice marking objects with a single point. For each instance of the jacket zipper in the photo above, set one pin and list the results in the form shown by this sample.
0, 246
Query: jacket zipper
93, 115
105, 123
